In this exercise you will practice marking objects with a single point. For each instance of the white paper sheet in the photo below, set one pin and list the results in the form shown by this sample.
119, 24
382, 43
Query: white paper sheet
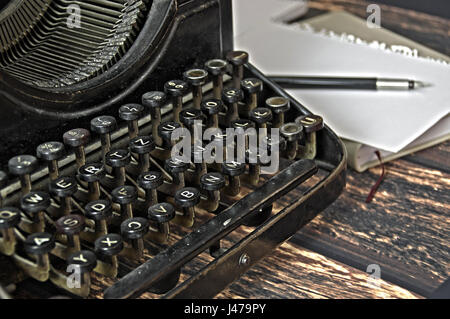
387, 120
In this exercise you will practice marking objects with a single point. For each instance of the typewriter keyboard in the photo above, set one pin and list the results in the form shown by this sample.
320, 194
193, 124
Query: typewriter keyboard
121, 208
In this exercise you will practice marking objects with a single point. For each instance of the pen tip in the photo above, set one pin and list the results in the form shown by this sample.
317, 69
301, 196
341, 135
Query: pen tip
420, 84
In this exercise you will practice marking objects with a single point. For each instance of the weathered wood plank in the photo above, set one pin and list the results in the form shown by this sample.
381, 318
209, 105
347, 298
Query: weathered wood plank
293, 272
426, 29
406, 227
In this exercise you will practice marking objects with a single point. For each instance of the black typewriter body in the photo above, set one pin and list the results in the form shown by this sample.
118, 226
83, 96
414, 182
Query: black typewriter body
205, 244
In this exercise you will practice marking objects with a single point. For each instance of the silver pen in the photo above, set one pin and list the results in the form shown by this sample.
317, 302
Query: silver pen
315, 82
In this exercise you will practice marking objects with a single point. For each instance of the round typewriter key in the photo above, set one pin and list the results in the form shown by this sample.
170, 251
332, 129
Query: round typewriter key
77, 139
211, 108
64, 187
232, 97
9, 217
23, 166
39, 243
311, 124
34, 204
166, 129
212, 183
237, 59
108, 245
143, 145
191, 118
155, 100
83, 261
279, 106
251, 87
92, 173
104, 125
176, 89
131, 114
160, 215
188, 117
292, 132
176, 169
71, 226
217, 68
125, 196
99, 211
196, 78
233, 170
51, 152
187, 198
133, 231
134, 228
118, 160
150, 181
261, 116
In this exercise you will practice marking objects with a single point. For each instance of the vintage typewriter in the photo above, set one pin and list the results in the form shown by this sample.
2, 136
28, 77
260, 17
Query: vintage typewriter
97, 198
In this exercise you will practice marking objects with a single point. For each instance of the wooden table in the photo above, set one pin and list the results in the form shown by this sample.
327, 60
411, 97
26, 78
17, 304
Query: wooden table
405, 230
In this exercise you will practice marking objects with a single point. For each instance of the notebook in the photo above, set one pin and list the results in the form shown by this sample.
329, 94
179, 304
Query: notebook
340, 44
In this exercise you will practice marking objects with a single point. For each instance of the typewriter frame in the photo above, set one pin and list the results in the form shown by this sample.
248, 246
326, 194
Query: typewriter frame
226, 268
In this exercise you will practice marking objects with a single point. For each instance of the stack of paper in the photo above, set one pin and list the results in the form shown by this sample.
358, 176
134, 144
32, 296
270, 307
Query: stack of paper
394, 122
